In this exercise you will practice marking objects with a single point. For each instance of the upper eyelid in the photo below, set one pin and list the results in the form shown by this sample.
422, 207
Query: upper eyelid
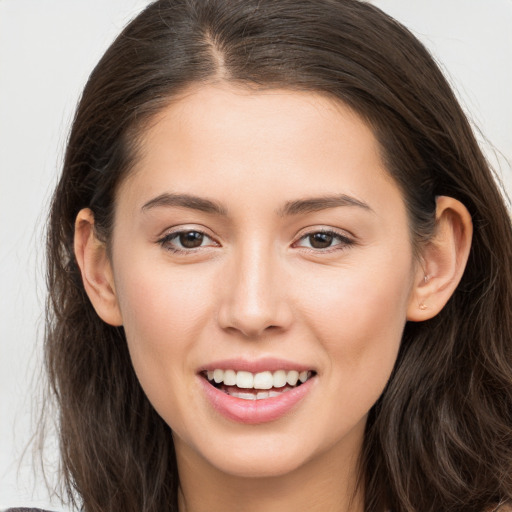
170, 233
342, 233
169, 236
344, 241
175, 234
175, 230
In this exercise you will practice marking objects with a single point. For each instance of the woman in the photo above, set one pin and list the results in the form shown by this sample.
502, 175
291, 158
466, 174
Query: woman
279, 270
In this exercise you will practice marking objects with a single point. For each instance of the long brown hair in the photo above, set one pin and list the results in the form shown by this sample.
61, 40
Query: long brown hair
440, 436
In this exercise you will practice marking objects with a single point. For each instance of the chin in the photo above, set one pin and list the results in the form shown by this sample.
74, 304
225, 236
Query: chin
260, 467
258, 458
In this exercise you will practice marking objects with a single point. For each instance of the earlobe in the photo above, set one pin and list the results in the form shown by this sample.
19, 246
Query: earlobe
95, 267
444, 259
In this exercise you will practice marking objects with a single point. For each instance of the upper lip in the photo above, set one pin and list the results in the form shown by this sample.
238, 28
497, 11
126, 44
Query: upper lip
258, 365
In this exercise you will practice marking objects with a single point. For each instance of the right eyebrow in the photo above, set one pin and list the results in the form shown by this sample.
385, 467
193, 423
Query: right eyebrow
185, 201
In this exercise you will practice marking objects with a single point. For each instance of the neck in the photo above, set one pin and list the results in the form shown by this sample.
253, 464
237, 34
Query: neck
328, 483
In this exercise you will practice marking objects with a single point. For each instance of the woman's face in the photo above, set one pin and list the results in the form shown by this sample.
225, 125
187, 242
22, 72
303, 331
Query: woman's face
260, 233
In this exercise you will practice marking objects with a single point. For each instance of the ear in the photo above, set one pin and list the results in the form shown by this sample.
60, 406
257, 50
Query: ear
95, 267
443, 260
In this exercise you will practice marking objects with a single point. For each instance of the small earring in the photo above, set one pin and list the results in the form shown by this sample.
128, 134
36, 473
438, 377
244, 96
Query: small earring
423, 306
426, 278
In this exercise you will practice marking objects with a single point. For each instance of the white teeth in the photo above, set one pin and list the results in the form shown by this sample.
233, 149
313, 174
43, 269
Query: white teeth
261, 380
245, 396
279, 378
244, 380
292, 377
260, 395
230, 378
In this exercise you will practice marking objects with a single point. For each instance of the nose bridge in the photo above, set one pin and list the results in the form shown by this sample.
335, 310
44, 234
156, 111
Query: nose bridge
254, 300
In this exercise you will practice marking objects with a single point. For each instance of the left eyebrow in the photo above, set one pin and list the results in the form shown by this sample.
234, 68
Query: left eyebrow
315, 204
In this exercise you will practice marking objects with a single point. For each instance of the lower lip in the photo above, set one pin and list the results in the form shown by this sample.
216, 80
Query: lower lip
255, 411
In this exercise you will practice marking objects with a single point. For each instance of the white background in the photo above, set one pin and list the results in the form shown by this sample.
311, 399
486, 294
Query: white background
47, 50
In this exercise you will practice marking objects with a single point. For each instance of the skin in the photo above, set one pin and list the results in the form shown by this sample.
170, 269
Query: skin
257, 288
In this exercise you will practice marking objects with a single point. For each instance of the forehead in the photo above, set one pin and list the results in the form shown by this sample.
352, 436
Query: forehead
220, 140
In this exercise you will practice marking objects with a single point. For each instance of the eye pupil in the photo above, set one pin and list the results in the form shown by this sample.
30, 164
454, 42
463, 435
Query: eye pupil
191, 239
320, 240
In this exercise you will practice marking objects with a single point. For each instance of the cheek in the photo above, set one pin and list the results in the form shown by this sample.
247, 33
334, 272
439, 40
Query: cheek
160, 306
163, 315
358, 303
358, 315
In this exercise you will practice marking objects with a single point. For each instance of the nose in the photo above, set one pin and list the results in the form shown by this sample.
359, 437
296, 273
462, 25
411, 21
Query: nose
254, 294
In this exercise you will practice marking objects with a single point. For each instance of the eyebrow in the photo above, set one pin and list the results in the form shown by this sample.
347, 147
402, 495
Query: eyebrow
185, 201
297, 207
315, 204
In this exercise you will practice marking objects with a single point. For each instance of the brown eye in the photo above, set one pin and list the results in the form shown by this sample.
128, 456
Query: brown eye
186, 241
320, 240
191, 239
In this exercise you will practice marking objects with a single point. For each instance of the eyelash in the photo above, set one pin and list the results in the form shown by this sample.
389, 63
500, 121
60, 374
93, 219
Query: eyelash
343, 241
166, 241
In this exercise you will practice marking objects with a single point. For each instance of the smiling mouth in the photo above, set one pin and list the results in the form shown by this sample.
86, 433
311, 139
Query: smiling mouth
256, 386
